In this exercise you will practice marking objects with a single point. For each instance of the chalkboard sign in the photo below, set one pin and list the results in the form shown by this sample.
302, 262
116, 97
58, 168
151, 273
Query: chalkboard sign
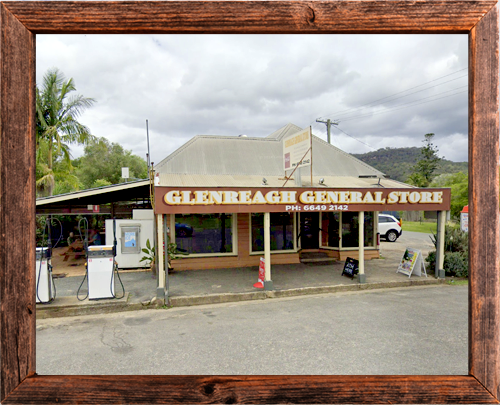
351, 267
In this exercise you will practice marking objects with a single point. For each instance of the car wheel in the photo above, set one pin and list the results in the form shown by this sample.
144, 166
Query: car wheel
391, 236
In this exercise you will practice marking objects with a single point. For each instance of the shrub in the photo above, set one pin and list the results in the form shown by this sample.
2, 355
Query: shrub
456, 252
455, 240
456, 263
431, 259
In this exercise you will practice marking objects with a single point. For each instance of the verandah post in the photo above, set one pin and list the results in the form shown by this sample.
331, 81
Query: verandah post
361, 243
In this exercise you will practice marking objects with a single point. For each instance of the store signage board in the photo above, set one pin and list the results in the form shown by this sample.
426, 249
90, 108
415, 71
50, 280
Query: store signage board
297, 149
412, 263
230, 200
22, 21
464, 219
351, 267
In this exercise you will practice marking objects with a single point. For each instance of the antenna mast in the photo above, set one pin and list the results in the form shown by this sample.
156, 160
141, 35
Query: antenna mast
148, 155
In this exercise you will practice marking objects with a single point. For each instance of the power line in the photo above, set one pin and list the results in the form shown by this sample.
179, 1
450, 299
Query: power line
403, 91
356, 139
364, 143
419, 91
410, 104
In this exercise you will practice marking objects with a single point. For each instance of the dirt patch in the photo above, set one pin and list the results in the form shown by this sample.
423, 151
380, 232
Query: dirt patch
73, 266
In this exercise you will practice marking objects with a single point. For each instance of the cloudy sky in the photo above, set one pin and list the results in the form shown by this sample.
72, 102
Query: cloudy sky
384, 90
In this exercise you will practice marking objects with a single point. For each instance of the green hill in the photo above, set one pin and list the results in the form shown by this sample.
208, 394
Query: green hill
397, 162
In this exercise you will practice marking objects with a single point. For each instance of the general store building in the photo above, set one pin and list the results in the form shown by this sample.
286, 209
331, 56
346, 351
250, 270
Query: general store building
227, 201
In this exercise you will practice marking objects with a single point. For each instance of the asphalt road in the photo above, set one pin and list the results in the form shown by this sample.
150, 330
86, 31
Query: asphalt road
416, 240
413, 330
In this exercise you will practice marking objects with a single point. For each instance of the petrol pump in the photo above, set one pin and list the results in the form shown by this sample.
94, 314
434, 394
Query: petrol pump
101, 267
45, 287
100, 271
44, 282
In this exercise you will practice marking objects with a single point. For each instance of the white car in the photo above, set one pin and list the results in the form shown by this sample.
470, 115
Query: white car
389, 227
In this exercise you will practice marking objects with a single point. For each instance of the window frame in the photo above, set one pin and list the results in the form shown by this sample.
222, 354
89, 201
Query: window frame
342, 248
261, 252
234, 239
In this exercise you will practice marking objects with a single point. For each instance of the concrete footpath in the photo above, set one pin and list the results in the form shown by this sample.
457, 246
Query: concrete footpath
200, 287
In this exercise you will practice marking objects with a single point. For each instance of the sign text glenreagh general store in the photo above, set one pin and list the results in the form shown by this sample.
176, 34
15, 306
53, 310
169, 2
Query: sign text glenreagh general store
176, 200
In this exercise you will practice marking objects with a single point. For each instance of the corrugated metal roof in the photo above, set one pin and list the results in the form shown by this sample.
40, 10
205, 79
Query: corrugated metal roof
188, 180
250, 156
223, 155
91, 192
288, 129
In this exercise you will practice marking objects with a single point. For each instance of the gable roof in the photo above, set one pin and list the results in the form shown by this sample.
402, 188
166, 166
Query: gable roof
253, 156
288, 129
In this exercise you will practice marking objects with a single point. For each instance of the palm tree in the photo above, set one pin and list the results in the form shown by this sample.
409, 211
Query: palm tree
57, 126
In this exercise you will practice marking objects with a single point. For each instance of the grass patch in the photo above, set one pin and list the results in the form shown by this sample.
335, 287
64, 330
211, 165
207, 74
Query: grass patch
458, 281
423, 227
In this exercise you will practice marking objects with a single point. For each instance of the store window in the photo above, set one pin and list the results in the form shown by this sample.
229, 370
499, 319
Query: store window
281, 231
204, 233
350, 229
350, 233
369, 229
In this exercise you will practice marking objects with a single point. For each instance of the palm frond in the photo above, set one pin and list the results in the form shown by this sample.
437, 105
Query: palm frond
76, 105
56, 113
47, 180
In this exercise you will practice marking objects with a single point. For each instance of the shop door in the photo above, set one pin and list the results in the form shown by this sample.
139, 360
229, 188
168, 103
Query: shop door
309, 230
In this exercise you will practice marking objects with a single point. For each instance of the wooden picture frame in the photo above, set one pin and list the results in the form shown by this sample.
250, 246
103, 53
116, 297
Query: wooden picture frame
21, 21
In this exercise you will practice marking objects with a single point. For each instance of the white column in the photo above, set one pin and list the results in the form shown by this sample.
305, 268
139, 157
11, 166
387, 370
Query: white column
268, 284
440, 244
160, 255
295, 222
299, 231
361, 258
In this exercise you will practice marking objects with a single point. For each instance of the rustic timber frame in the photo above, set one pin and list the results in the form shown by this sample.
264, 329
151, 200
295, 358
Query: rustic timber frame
21, 21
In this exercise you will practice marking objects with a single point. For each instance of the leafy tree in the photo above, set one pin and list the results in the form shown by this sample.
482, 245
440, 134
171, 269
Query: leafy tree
102, 162
65, 178
423, 171
101, 183
398, 162
57, 127
459, 184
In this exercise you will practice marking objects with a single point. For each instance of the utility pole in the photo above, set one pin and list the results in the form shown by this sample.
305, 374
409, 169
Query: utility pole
328, 123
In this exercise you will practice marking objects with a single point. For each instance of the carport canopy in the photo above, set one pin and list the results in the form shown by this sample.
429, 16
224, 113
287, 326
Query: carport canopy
117, 199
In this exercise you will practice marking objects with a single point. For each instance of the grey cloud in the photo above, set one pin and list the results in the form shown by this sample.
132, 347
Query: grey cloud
228, 85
